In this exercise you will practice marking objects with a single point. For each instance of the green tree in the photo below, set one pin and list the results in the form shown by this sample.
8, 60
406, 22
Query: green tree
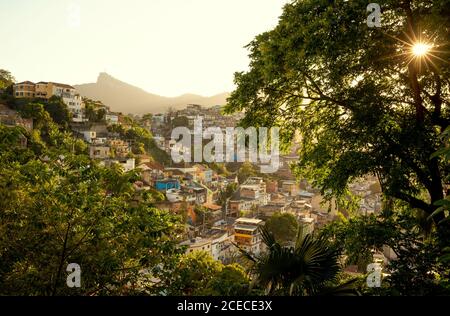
245, 171
220, 168
192, 274
232, 280
58, 110
100, 115
147, 117
198, 274
443, 205
180, 121
11, 148
284, 227
224, 195
362, 101
142, 138
6, 79
419, 267
67, 209
90, 113
117, 129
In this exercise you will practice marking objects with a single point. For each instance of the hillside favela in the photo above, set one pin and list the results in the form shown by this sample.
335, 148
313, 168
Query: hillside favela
248, 149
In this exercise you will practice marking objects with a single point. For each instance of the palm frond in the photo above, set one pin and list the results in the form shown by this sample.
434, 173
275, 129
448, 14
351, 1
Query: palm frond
305, 268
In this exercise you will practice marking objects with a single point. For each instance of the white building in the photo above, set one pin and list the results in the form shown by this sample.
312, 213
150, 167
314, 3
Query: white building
158, 119
71, 98
127, 164
89, 136
112, 118
197, 244
222, 248
218, 244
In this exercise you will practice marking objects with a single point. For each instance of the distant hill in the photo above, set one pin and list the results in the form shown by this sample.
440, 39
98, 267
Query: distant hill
123, 97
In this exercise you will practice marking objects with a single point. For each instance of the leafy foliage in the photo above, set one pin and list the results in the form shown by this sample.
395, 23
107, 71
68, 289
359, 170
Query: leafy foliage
58, 111
58, 207
283, 226
197, 273
142, 139
350, 91
6, 79
418, 269
224, 195
303, 269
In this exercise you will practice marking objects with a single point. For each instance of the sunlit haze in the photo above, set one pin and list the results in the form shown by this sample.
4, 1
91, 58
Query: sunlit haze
167, 47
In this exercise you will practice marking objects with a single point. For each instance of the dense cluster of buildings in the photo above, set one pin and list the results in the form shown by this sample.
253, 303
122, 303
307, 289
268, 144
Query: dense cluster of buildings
210, 117
213, 223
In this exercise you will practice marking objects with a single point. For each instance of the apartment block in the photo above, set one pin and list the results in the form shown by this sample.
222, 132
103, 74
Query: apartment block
247, 234
46, 90
251, 194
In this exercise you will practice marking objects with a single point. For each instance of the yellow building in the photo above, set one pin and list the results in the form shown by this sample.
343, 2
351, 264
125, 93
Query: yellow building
26, 89
247, 234
46, 90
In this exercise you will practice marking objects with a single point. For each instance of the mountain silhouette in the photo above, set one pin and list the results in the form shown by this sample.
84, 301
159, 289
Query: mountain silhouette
123, 97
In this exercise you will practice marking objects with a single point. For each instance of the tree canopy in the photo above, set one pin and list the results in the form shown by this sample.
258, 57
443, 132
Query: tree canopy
58, 207
283, 226
308, 267
197, 273
361, 100
6, 79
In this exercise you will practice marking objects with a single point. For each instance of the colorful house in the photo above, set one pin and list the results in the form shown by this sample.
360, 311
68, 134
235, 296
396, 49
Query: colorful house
167, 184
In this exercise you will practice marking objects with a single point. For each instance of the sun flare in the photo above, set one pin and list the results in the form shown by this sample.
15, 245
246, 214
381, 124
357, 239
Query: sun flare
420, 49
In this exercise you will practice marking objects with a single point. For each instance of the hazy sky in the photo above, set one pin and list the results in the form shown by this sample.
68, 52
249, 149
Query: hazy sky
168, 47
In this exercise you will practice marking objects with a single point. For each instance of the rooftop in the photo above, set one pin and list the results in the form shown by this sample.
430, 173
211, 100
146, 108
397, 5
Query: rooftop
245, 220
245, 227
25, 82
213, 207
253, 181
198, 242
305, 193
154, 165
